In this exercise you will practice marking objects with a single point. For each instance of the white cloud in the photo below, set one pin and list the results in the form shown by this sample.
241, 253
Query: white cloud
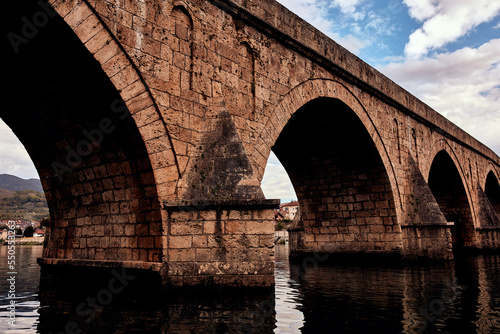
350, 42
276, 183
315, 12
312, 11
14, 158
422, 9
445, 21
393, 59
346, 6
462, 85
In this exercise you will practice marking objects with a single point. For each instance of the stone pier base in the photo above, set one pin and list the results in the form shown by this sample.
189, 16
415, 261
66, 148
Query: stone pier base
488, 238
228, 244
429, 241
296, 238
210, 243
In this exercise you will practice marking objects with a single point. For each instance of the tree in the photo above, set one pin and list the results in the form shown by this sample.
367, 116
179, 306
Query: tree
19, 232
28, 232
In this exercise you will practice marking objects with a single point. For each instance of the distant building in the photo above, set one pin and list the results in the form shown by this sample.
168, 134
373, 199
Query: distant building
22, 225
287, 211
290, 209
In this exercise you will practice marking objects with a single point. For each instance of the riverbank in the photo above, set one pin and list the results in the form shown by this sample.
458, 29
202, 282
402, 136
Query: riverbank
26, 241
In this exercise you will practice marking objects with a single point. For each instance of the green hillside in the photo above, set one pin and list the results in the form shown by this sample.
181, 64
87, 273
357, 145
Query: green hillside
4, 193
23, 205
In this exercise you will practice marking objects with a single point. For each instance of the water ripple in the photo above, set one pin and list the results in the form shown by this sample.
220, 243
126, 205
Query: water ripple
460, 298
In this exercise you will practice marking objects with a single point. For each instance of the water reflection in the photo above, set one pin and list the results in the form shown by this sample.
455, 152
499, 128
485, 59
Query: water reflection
459, 297
349, 299
27, 279
488, 295
289, 318
142, 307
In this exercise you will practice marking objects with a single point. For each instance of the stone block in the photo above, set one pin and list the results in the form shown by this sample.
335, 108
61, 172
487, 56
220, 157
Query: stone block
146, 242
211, 227
182, 255
200, 241
184, 216
186, 227
235, 227
259, 227
203, 255
180, 242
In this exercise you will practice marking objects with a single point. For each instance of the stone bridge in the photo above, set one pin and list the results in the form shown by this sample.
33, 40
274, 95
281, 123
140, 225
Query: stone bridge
150, 124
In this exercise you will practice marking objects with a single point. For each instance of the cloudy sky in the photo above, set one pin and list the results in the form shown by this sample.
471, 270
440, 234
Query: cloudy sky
445, 52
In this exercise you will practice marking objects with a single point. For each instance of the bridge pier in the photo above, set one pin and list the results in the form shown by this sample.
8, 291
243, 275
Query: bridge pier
488, 238
432, 241
228, 243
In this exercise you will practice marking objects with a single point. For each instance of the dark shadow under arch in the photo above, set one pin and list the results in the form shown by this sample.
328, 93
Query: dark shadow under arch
448, 189
492, 190
344, 193
86, 147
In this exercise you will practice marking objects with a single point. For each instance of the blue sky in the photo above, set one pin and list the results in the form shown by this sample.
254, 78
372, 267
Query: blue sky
445, 52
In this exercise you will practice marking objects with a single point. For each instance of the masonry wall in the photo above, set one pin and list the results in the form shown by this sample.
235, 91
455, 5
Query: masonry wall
185, 68
199, 57
226, 244
427, 242
488, 238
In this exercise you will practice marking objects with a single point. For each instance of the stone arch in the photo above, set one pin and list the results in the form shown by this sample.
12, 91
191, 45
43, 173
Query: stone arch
343, 188
446, 181
491, 169
443, 144
299, 96
184, 7
105, 159
123, 73
492, 190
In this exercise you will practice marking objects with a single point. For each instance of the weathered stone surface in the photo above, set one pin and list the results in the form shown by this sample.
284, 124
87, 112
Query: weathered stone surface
137, 109
221, 242
228, 173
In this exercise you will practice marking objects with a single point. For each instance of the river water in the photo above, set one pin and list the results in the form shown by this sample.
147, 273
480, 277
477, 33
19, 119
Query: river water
311, 296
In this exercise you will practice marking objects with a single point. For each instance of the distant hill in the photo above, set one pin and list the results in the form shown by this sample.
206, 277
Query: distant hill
23, 205
14, 183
